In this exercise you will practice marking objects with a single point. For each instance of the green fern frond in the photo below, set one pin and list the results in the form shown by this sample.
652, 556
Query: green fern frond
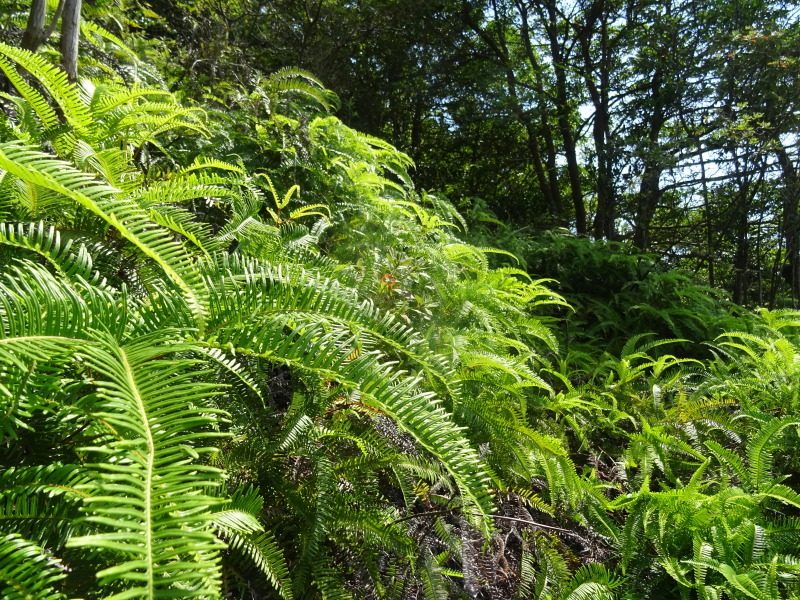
41, 503
46, 242
92, 31
299, 81
315, 346
238, 524
27, 572
154, 419
55, 81
759, 449
592, 582
128, 219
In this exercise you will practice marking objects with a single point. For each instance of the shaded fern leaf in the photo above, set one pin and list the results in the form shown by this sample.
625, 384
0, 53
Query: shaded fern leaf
26, 571
238, 524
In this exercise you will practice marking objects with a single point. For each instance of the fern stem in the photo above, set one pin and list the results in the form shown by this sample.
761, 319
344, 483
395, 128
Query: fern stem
438, 513
148, 483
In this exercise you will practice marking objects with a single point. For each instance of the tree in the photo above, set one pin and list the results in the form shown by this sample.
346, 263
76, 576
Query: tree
70, 33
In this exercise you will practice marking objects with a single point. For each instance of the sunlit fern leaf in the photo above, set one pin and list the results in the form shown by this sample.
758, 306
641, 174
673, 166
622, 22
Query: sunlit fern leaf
155, 421
93, 33
255, 290
263, 551
112, 164
94, 68
55, 81
781, 493
595, 511
759, 542
130, 221
204, 162
760, 447
528, 575
442, 207
731, 460
746, 583
433, 583
31, 100
381, 386
590, 590
27, 572
183, 189
63, 255
314, 345
34, 303
232, 366
135, 123
370, 527
105, 97
633, 532
26, 124
184, 223
32, 201
291, 81
784, 533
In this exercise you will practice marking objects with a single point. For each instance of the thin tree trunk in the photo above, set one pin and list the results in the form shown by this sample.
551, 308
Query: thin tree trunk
709, 224
563, 118
547, 174
747, 191
70, 34
791, 219
741, 255
604, 226
501, 51
552, 166
650, 192
649, 197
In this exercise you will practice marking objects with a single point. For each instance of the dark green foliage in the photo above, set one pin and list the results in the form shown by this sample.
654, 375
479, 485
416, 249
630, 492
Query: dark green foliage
617, 293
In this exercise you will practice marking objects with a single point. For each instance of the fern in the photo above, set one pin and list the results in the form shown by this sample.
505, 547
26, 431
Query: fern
150, 495
27, 572
238, 523
126, 218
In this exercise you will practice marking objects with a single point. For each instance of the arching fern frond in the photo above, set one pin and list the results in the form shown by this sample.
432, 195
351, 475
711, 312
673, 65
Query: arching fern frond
42, 503
130, 221
55, 81
70, 259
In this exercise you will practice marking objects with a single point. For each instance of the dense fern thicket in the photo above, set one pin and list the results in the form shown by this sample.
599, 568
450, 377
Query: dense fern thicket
242, 357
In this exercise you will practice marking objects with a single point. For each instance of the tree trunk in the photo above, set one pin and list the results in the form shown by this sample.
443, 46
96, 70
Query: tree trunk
34, 32
70, 34
563, 110
500, 48
709, 221
648, 199
791, 219
741, 256
546, 172
650, 193
604, 226
597, 14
